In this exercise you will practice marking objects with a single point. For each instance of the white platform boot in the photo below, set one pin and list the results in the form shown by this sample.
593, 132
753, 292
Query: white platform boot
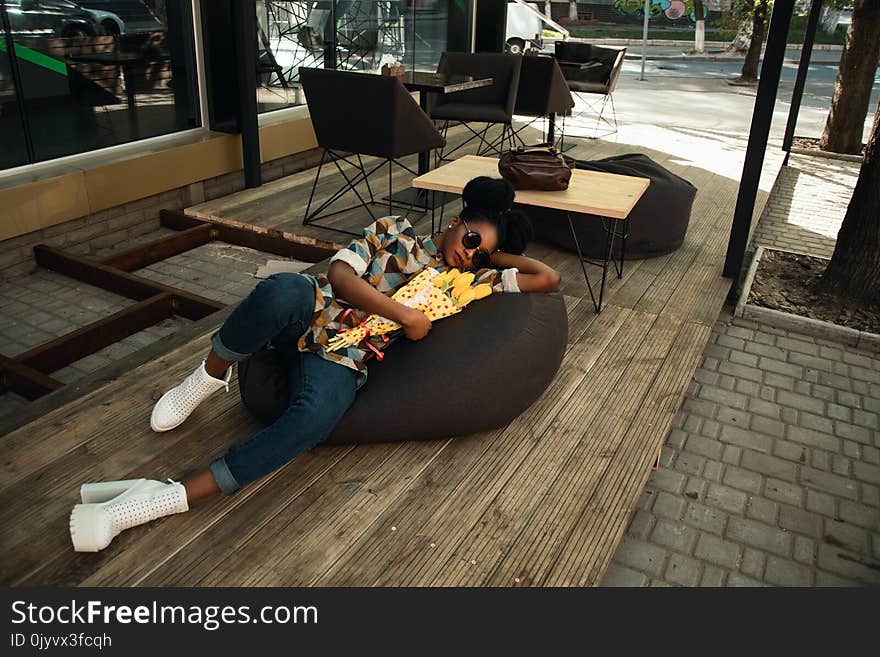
177, 404
110, 507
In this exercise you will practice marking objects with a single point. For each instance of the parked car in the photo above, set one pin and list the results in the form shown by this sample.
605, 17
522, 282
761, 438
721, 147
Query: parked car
51, 18
523, 28
110, 22
135, 15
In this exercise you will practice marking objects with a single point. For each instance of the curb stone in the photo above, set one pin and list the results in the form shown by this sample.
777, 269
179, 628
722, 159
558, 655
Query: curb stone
825, 154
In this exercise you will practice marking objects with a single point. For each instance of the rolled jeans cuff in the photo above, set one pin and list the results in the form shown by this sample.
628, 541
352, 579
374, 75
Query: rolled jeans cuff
223, 351
225, 481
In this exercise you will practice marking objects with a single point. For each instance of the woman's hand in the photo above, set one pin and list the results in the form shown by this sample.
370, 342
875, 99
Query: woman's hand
415, 324
533, 275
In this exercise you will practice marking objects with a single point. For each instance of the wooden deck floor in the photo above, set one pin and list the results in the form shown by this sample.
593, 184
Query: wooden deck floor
541, 502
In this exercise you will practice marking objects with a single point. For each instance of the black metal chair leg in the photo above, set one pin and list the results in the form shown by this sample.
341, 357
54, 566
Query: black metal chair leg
314, 186
613, 113
366, 180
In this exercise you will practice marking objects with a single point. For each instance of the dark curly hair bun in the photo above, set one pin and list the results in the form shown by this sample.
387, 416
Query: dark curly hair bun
492, 199
488, 194
515, 231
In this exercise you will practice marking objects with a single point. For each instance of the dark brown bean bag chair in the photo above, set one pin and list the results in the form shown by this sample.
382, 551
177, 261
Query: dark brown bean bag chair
658, 222
475, 371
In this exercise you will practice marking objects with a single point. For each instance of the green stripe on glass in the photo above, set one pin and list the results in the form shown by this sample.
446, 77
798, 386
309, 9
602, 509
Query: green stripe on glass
38, 58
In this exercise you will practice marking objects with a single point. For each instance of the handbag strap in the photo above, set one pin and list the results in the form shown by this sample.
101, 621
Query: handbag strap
544, 147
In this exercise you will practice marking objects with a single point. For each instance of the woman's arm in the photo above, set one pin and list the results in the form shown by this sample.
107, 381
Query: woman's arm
350, 287
533, 275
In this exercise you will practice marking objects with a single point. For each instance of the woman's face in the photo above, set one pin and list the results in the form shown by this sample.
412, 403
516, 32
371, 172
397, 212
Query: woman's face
455, 253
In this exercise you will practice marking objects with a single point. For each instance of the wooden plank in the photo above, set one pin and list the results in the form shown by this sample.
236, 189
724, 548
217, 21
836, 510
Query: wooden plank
531, 556
37, 445
591, 545
186, 553
191, 306
299, 547
26, 381
51, 471
143, 255
445, 523
483, 517
463, 460
316, 521
103, 376
61, 352
255, 237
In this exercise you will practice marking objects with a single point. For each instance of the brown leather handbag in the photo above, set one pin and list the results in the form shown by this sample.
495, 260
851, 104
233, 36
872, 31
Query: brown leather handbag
535, 167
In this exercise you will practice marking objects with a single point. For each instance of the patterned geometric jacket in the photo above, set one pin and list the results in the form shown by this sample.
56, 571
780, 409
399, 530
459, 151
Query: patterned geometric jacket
387, 256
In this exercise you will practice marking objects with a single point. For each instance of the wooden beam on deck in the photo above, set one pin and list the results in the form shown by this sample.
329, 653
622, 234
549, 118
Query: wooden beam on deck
191, 306
146, 254
67, 349
26, 381
259, 238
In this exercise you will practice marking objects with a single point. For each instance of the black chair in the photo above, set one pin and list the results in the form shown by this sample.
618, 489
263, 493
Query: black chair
490, 105
542, 92
590, 69
362, 114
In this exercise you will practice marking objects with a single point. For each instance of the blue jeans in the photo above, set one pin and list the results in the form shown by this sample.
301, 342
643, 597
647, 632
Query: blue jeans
279, 311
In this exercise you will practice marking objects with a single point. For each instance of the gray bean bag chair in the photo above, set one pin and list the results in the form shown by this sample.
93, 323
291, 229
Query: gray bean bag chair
658, 222
475, 371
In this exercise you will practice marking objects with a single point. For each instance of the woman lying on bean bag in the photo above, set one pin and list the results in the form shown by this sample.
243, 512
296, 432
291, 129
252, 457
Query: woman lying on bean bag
298, 314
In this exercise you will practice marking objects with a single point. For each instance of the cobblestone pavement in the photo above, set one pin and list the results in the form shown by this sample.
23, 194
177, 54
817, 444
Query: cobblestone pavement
807, 205
45, 305
771, 473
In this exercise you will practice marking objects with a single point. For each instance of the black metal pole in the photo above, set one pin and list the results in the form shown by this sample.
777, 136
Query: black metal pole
16, 82
244, 16
762, 116
804, 66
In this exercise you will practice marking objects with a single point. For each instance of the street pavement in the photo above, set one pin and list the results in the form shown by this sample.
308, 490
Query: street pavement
691, 92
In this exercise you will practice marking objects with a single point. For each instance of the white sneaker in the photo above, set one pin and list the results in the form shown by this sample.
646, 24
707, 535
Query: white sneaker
93, 526
177, 404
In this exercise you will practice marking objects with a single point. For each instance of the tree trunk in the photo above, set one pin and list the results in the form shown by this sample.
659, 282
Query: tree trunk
700, 30
854, 270
855, 78
753, 56
828, 20
743, 36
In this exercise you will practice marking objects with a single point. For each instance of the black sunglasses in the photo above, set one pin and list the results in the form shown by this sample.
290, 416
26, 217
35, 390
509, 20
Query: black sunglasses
472, 240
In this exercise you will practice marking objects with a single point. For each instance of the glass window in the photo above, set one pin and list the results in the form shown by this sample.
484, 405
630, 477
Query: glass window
430, 18
351, 35
14, 150
98, 73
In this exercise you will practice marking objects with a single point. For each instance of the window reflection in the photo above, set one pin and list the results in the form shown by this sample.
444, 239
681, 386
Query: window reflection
13, 151
351, 35
102, 72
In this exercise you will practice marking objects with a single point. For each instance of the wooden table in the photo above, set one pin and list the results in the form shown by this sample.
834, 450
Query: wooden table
438, 83
608, 195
